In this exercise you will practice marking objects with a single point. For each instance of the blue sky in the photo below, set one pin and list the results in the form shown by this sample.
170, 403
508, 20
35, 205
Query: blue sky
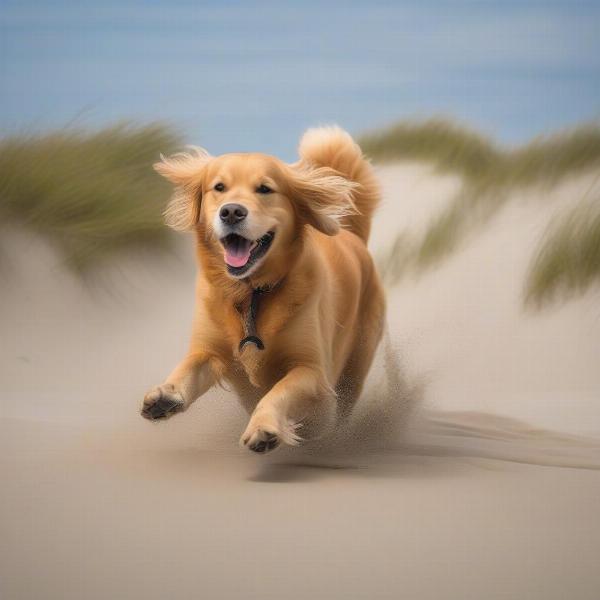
253, 75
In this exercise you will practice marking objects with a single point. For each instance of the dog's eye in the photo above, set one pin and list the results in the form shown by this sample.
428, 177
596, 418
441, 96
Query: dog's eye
264, 189
219, 187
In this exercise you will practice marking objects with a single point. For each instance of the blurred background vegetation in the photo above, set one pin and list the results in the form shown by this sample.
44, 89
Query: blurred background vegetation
567, 262
94, 194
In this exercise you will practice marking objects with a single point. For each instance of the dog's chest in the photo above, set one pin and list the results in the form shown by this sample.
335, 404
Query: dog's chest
255, 347
254, 364
253, 333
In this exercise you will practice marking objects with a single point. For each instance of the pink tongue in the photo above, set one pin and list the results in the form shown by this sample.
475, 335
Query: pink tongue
237, 257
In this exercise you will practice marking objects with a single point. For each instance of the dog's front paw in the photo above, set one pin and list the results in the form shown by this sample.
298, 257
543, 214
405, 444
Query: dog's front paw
162, 402
264, 434
261, 440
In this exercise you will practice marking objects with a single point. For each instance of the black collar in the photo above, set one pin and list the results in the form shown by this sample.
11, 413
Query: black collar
250, 334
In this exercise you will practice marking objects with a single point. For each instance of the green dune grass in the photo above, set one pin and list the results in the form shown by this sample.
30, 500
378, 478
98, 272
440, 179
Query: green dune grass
567, 262
490, 173
94, 194
452, 148
91, 194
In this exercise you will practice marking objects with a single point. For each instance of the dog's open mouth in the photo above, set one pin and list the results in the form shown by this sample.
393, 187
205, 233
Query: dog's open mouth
241, 253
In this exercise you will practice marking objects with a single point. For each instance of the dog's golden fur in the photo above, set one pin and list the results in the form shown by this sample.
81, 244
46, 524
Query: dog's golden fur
322, 320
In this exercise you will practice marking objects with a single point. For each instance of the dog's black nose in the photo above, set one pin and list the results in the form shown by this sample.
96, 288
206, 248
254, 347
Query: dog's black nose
233, 213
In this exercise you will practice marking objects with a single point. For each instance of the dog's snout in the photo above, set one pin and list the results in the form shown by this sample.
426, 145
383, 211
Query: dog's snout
233, 213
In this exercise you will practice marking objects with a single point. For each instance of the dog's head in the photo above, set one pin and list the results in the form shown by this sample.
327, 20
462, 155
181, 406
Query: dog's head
251, 208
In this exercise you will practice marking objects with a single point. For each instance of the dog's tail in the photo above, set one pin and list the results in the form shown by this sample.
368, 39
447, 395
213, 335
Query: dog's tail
333, 147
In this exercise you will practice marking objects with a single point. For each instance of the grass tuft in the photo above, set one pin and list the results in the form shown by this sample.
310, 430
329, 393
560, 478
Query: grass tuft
567, 262
90, 194
454, 149
449, 147
489, 174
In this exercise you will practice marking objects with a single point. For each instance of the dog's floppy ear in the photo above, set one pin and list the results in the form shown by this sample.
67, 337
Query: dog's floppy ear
186, 171
321, 195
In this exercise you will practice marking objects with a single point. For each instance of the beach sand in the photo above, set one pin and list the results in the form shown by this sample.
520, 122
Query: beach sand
471, 469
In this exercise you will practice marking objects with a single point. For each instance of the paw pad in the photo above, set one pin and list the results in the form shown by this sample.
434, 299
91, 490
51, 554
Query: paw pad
269, 441
161, 403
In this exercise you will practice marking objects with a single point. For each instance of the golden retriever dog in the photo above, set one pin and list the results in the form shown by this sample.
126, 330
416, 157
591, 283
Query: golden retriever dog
289, 306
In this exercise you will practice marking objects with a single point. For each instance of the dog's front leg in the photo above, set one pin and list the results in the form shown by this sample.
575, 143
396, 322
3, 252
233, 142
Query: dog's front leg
188, 381
302, 397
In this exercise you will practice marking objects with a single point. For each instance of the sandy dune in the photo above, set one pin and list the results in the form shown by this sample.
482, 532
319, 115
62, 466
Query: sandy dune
452, 482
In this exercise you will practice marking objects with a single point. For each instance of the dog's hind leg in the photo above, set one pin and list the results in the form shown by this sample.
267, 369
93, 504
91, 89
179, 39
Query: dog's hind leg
350, 384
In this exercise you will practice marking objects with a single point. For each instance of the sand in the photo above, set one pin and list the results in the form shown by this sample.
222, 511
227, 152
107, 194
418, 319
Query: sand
473, 473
